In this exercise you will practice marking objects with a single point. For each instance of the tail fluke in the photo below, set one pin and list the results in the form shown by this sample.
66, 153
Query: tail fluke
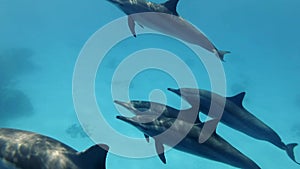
290, 151
221, 54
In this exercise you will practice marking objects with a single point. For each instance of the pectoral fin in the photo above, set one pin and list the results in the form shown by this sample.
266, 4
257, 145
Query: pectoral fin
147, 138
131, 25
160, 150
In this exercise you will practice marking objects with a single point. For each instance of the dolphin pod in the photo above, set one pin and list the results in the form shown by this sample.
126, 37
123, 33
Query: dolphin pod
164, 18
215, 148
27, 150
235, 116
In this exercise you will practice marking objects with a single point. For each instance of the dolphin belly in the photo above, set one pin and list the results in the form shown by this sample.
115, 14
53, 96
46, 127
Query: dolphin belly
163, 17
174, 26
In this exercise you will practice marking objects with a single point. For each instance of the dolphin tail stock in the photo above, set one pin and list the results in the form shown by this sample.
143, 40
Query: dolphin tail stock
222, 53
290, 151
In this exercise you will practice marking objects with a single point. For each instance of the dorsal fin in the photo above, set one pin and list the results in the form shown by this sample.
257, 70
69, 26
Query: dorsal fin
95, 156
238, 99
171, 5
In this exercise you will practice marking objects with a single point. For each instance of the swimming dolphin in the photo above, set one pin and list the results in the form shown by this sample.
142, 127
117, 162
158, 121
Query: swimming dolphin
27, 150
215, 148
159, 110
165, 18
236, 116
139, 107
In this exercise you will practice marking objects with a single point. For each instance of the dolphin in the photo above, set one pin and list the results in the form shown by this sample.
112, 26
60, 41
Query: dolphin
235, 116
138, 107
215, 148
23, 150
164, 18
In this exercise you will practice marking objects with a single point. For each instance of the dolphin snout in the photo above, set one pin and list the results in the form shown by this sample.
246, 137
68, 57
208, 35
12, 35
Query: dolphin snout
123, 118
115, 2
127, 120
126, 105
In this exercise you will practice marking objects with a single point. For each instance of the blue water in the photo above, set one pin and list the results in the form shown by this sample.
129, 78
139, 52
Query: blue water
40, 42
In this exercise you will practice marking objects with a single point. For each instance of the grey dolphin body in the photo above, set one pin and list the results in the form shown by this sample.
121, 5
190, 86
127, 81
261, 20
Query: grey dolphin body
153, 108
215, 148
159, 110
164, 18
235, 116
26, 150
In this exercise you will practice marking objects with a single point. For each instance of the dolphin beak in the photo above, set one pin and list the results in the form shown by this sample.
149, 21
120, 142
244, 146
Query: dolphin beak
176, 91
114, 1
126, 105
127, 120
